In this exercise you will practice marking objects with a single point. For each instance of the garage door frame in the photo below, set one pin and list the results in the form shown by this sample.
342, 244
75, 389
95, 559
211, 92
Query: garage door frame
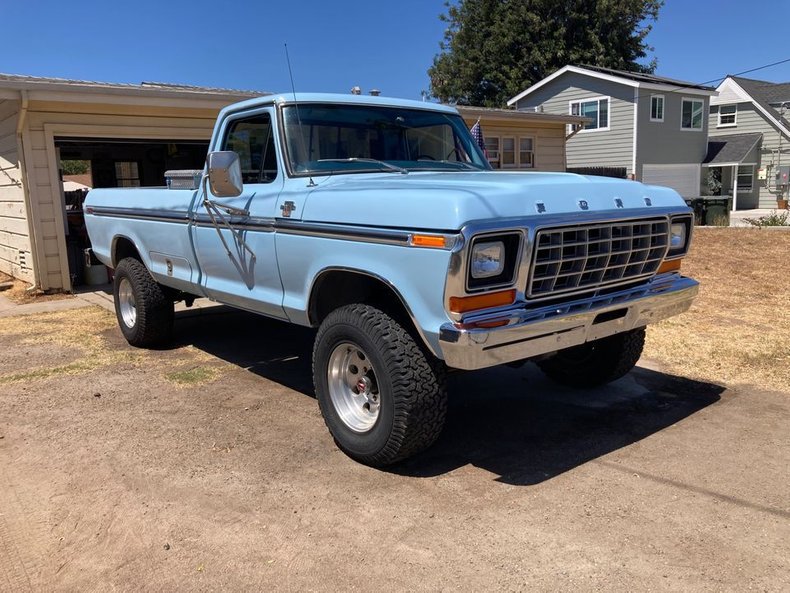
53, 130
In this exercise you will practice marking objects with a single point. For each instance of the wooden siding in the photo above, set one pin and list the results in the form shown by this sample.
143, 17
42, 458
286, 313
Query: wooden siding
613, 147
748, 121
549, 139
15, 254
47, 121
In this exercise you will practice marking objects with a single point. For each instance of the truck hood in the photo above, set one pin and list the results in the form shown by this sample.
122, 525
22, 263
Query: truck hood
447, 201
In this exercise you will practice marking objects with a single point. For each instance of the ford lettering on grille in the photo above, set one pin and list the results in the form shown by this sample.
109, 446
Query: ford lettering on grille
581, 258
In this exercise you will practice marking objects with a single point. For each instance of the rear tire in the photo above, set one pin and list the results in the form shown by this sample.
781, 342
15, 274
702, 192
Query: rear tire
598, 362
382, 397
144, 312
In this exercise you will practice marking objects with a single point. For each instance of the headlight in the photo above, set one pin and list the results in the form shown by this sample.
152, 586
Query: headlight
488, 259
493, 259
679, 235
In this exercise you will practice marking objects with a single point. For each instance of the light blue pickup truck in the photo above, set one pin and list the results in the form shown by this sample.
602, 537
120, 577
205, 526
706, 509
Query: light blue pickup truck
379, 222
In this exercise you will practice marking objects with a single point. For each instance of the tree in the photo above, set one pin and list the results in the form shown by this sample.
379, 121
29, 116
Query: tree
494, 49
72, 167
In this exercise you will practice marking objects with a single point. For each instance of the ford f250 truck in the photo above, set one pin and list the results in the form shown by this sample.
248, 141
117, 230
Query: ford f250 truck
380, 223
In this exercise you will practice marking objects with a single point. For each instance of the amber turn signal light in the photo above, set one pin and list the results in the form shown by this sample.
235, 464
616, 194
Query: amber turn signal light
428, 241
482, 301
669, 266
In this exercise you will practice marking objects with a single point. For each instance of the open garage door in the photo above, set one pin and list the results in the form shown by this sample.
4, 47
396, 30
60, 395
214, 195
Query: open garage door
102, 162
684, 179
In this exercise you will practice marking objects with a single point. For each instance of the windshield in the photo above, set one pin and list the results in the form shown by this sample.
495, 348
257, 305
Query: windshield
358, 138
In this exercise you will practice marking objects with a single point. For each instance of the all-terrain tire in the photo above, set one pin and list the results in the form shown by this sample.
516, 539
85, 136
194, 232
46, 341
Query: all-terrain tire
407, 384
143, 309
598, 362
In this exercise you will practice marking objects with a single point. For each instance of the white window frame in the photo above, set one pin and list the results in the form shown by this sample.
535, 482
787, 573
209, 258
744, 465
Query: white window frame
494, 154
734, 116
751, 178
608, 100
663, 107
702, 116
502, 164
519, 164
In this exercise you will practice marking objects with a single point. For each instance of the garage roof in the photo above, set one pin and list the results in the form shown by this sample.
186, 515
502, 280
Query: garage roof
19, 82
730, 149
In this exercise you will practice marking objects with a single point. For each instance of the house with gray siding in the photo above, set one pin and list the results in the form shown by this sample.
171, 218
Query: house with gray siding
749, 134
650, 128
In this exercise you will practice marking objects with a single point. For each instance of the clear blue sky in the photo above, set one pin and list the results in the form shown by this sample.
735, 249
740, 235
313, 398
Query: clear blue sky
334, 45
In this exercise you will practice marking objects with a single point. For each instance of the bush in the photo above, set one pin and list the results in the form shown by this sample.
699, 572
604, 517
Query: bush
773, 219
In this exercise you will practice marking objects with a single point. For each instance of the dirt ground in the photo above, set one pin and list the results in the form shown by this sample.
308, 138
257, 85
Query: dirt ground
207, 467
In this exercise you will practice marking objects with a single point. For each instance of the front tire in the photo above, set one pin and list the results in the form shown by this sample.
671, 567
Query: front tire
144, 312
598, 362
382, 397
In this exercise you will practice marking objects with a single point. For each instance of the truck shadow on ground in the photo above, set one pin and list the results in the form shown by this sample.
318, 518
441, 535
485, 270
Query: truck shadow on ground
525, 429
512, 422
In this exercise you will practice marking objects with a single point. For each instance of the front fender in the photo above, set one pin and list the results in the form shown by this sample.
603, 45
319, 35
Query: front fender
416, 275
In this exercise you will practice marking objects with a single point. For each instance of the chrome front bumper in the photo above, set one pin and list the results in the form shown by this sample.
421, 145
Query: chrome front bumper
524, 333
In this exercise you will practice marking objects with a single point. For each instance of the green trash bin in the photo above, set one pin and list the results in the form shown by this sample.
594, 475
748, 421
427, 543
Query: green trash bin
698, 205
717, 211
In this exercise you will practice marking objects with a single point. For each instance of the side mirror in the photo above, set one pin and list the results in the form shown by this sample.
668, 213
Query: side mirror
224, 173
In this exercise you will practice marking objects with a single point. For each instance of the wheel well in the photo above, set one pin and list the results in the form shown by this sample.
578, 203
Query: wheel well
123, 248
336, 288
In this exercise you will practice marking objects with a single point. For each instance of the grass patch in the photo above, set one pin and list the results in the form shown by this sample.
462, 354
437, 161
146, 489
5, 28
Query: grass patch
738, 329
86, 329
192, 377
77, 328
74, 368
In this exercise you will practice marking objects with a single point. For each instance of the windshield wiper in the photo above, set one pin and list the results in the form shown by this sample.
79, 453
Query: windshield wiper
386, 165
462, 164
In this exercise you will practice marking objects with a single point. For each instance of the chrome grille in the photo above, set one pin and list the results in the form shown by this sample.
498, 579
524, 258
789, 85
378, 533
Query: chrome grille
580, 258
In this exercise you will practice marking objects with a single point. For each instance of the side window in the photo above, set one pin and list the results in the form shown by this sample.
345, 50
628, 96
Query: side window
253, 140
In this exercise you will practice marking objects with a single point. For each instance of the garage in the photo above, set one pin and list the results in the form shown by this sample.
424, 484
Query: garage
111, 162
684, 179
128, 134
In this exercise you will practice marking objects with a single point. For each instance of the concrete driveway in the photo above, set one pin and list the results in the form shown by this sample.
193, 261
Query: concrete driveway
208, 467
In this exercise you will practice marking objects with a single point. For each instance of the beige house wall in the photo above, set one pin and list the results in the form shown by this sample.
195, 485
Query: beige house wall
549, 142
15, 247
549, 137
48, 120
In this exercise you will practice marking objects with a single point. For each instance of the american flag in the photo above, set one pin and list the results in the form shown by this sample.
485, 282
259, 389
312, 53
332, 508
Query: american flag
477, 134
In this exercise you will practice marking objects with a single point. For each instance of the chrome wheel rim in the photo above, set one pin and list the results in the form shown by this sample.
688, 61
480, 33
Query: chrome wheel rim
353, 387
126, 303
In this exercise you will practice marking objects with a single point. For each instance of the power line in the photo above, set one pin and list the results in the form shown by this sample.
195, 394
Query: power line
748, 71
679, 88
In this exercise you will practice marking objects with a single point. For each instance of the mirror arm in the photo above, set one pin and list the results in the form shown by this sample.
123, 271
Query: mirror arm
218, 218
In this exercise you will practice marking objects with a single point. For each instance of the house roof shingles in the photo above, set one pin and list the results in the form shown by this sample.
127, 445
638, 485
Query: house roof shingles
648, 78
729, 149
769, 95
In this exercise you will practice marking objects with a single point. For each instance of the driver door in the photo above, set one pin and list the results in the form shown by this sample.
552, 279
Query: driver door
235, 245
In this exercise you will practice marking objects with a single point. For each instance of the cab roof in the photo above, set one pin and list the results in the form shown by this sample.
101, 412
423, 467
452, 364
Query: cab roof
291, 98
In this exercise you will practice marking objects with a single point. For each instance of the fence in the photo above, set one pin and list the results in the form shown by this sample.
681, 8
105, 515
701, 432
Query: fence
618, 172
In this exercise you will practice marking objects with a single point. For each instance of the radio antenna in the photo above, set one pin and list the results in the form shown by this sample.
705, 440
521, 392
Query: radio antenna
310, 183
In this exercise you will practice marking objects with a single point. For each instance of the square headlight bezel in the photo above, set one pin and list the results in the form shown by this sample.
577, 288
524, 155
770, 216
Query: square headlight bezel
679, 252
512, 242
